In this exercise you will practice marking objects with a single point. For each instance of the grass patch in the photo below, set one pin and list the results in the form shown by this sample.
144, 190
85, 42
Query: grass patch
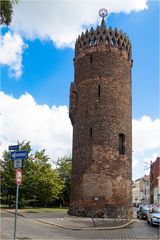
3, 206
40, 210
36, 210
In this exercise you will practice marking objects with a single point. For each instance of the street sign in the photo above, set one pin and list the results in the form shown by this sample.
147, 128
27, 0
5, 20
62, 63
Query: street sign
18, 163
14, 147
18, 176
19, 155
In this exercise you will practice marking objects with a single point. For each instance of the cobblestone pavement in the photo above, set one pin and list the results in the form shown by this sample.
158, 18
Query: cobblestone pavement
31, 229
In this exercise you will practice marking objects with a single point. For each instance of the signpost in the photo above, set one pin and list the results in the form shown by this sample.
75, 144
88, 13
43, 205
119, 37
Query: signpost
18, 163
18, 156
18, 176
14, 147
18, 181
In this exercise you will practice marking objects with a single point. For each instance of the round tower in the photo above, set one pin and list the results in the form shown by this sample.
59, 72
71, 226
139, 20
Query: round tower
101, 115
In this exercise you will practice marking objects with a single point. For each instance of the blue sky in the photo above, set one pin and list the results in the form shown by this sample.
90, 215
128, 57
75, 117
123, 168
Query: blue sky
47, 73
50, 70
44, 58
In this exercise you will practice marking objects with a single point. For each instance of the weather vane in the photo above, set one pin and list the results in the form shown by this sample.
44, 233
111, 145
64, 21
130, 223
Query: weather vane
103, 12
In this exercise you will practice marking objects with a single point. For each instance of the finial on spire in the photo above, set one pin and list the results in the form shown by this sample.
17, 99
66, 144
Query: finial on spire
103, 13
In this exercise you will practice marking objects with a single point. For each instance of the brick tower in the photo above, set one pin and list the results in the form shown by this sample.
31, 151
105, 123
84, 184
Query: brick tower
100, 112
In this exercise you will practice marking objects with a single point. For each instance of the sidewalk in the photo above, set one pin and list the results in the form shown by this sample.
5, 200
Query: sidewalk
62, 220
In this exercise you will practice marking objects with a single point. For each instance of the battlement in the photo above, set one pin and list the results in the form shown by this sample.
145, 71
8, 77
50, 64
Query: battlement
102, 35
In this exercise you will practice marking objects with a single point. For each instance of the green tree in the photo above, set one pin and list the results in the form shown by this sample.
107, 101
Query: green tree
6, 9
8, 182
41, 184
64, 168
7, 172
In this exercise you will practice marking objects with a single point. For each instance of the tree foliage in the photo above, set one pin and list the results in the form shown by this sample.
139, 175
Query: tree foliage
64, 168
41, 183
6, 9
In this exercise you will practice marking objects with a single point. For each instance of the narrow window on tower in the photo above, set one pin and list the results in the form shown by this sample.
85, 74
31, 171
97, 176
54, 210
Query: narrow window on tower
121, 143
99, 90
90, 132
91, 58
86, 113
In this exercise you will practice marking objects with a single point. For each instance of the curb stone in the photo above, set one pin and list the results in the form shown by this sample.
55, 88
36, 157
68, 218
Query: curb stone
74, 228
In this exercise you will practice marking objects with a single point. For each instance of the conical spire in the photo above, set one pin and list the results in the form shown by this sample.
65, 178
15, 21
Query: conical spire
103, 13
103, 24
102, 35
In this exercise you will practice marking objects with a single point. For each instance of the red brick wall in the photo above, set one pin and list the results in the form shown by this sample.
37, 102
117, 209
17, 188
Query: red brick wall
101, 177
155, 172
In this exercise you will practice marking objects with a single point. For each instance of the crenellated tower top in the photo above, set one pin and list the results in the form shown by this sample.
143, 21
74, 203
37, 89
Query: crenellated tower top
102, 35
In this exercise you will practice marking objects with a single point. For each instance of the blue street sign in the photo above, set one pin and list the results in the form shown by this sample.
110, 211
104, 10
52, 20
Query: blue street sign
14, 147
19, 155
18, 163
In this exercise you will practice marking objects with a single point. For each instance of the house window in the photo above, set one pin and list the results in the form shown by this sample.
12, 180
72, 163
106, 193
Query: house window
121, 143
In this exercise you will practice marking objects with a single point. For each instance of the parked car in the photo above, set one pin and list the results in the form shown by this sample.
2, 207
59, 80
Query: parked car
153, 216
142, 212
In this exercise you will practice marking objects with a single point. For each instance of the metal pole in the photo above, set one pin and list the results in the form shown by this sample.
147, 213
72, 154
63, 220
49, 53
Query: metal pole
15, 222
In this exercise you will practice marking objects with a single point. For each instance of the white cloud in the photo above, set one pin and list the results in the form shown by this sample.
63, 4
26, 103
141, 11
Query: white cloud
146, 144
11, 49
62, 21
146, 134
23, 119
50, 128
59, 21
141, 164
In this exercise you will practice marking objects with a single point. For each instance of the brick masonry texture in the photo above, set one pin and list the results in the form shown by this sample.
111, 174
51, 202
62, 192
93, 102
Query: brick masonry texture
100, 110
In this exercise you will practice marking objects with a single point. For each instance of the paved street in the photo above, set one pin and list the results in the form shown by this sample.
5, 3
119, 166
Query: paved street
31, 229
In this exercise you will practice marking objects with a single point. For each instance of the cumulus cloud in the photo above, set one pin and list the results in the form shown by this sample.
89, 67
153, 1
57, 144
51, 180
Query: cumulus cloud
11, 49
141, 163
62, 21
58, 21
146, 144
146, 134
46, 127
50, 128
